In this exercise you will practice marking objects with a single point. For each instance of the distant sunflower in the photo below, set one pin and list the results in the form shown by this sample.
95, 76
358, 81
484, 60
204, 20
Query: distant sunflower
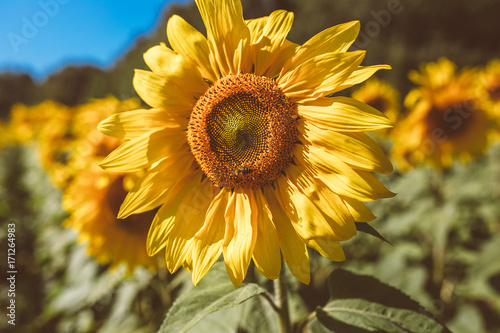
381, 96
65, 129
94, 196
93, 200
490, 81
446, 121
26, 122
56, 139
247, 155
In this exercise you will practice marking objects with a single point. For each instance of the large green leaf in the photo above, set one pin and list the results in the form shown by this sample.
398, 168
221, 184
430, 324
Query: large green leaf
362, 304
362, 315
214, 292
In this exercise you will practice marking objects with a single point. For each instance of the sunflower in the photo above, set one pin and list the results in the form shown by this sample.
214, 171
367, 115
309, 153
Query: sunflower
26, 122
490, 82
446, 120
56, 139
93, 197
248, 151
381, 96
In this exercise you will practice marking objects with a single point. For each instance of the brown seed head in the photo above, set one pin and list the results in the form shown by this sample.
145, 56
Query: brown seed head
242, 131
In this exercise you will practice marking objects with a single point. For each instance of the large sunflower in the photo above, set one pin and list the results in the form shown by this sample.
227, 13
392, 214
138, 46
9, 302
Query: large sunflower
247, 155
446, 121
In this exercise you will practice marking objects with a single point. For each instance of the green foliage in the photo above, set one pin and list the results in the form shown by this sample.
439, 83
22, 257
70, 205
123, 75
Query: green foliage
215, 292
362, 303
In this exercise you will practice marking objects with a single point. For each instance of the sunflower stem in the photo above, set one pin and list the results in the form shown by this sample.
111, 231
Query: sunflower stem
281, 297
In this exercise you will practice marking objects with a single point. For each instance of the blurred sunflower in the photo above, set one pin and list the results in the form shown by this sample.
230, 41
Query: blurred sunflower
381, 96
91, 143
247, 155
94, 196
26, 122
490, 81
66, 129
446, 119
93, 200
56, 141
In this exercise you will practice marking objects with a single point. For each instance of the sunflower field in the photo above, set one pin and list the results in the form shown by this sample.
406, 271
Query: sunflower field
261, 166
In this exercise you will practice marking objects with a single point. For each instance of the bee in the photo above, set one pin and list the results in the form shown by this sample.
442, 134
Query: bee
242, 170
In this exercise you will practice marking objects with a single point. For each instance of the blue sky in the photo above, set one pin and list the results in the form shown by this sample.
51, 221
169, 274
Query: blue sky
42, 36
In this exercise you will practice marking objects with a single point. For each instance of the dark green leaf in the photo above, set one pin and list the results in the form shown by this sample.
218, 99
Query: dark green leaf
214, 292
363, 304
361, 316
368, 229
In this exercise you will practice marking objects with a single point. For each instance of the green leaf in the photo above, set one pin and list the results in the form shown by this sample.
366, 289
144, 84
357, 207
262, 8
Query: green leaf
364, 304
214, 292
368, 229
359, 315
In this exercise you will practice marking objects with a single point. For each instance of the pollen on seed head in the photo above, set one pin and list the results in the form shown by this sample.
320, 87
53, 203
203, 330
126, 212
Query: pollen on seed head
242, 131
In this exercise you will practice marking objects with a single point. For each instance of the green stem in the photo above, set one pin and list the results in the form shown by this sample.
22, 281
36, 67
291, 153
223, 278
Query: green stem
281, 297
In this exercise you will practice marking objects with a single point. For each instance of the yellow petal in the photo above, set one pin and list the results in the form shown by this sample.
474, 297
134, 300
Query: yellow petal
163, 93
189, 219
227, 34
188, 264
271, 38
163, 222
151, 189
266, 255
359, 75
357, 150
129, 125
292, 247
176, 68
336, 39
240, 234
327, 248
339, 177
287, 51
319, 213
141, 152
358, 210
345, 114
319, 76
256, 28
208, 240
191, 44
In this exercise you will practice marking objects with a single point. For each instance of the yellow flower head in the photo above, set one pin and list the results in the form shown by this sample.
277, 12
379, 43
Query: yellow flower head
56, 141
93, 200
490, 82
94, 196
26, 121
446, 120
65, 129
381, 96
246, 154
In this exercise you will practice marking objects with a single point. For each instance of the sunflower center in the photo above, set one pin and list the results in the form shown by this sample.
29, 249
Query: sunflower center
242, 131
134, 224
378, 102
494, 91
452, 121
